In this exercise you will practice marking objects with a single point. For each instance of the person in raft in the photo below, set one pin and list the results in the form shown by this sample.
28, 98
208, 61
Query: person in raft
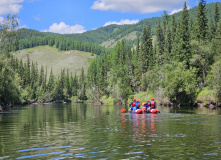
153, 104
137, 104
147, 105
133, 104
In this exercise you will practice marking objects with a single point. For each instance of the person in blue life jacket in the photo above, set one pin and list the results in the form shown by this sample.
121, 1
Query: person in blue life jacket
147, 105
137, 104
133, 104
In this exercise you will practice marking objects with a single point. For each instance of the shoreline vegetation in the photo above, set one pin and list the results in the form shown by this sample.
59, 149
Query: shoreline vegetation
179, 65
201, 101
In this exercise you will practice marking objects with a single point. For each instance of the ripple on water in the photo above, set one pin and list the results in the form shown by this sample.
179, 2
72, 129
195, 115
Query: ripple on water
39, 155
4, 157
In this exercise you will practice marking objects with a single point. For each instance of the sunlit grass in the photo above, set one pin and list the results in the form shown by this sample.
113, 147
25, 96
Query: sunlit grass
207, 95
51, 57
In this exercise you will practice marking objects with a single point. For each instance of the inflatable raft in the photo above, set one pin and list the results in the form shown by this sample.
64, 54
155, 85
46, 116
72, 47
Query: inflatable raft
141, 111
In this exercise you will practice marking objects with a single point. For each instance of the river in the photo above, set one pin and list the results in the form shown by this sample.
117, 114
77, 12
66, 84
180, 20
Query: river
84, 131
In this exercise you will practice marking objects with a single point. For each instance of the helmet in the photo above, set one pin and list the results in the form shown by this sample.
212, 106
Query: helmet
147, 100
134, 99
152, 99
137, 100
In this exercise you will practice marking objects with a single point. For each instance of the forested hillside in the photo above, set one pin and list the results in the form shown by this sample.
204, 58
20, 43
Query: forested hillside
182, 66
109, 35
117, 32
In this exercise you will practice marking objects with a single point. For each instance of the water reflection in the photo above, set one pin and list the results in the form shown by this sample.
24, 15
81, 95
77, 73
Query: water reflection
75, 131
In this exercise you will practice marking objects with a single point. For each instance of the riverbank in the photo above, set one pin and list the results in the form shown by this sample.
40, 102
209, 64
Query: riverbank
205, 98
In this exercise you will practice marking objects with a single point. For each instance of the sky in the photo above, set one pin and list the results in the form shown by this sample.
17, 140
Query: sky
78, 16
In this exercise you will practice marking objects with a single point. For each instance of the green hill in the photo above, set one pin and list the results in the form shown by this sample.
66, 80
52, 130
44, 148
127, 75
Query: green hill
108, 36
51, 57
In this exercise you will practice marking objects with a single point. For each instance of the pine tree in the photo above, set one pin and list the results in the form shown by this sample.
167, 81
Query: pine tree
137, 63
75, 85
216, 15
217, 42
82, 94
51, 81
185, 35
45, 81
27, 71
41, 77
174, 27
181, 47
168, 45
67, 84
160, 42
201, 29
147, 49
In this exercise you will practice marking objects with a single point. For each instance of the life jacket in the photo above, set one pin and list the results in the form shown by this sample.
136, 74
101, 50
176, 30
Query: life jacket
138, 105
152, 104
133, 104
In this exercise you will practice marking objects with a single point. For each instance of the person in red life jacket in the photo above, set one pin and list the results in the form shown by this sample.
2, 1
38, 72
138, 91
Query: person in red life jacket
133, 104
137, 104
153, 104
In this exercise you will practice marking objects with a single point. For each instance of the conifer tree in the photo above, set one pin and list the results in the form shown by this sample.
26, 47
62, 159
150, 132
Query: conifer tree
82, 94
168, 45
147, 49
137, 63
41, 77
174, 26
217, 42
75, 85
160, 42
181, 49
27, 71
201, 29
45, 81
216, 15
51, 81
67, 84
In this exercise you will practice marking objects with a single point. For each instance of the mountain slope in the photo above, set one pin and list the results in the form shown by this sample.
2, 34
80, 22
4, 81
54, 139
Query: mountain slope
109, 35
52, 57
113, 33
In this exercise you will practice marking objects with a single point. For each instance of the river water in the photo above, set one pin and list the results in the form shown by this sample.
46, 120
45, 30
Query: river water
83, 131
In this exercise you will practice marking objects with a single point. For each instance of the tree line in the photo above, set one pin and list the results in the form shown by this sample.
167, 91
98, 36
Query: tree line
62, 43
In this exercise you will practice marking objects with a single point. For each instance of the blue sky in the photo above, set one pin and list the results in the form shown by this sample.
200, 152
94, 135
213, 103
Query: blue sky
78, 16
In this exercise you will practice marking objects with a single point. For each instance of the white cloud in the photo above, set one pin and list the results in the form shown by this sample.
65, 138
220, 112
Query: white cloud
138, 6
24, 26
62, 28
10, 6
122, 22
177, 10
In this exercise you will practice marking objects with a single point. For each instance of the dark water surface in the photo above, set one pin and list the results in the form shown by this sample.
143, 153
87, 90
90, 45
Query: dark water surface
82, 131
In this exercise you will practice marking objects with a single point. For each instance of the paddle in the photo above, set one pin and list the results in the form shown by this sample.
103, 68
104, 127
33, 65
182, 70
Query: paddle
123, 110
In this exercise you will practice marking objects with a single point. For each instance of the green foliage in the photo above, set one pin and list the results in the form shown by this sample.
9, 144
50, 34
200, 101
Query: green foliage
207, 94
181, 84
201, 21
10, 92
215, 78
